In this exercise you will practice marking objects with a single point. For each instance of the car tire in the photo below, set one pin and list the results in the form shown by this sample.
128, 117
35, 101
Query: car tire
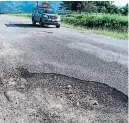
33, 22
58, 26
41, 23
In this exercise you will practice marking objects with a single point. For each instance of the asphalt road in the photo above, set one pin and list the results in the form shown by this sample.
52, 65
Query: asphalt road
68, 52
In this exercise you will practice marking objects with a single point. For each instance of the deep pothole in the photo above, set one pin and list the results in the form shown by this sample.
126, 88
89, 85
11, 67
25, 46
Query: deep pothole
49, 97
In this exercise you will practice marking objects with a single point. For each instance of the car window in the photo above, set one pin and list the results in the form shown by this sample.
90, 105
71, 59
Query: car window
48, 11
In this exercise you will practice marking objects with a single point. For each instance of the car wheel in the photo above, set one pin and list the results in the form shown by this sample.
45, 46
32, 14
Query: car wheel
33, 22
58, 26
41, 23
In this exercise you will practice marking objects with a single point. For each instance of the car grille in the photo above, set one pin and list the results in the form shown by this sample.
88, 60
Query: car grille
52, 17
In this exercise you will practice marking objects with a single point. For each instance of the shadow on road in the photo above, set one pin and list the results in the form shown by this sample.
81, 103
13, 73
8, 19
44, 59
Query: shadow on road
26, 25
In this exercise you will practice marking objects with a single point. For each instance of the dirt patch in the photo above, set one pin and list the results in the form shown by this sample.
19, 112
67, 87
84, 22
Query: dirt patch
54, 98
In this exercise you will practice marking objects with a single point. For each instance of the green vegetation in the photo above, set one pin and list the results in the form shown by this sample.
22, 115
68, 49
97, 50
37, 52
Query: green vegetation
22, 15
106, 24
102, 17
100, 21
94, 7
119, 35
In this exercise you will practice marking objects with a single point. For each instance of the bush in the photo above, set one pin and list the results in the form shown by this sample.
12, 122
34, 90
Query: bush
104, 21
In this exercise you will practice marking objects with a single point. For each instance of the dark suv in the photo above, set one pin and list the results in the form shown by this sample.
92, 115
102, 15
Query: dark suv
45, 16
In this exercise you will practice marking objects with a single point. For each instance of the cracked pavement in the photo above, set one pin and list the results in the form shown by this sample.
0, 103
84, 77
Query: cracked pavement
52, 75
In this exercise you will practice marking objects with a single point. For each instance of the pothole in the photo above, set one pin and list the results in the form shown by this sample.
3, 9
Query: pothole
55, 98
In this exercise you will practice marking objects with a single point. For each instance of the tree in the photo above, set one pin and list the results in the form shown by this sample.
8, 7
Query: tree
94, 9
77, 5
103, 9
91, 6
125, 10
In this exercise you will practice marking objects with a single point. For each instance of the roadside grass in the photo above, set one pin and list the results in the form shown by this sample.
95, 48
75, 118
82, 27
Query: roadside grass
120, 17
106, 32
113, 34
28, 16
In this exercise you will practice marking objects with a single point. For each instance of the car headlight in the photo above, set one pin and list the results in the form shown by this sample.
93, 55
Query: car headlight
58, 18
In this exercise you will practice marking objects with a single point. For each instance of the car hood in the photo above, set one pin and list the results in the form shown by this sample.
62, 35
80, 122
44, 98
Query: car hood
50, 14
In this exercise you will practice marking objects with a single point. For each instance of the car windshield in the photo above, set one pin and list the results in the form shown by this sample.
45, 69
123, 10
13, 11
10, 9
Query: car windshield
48, 11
